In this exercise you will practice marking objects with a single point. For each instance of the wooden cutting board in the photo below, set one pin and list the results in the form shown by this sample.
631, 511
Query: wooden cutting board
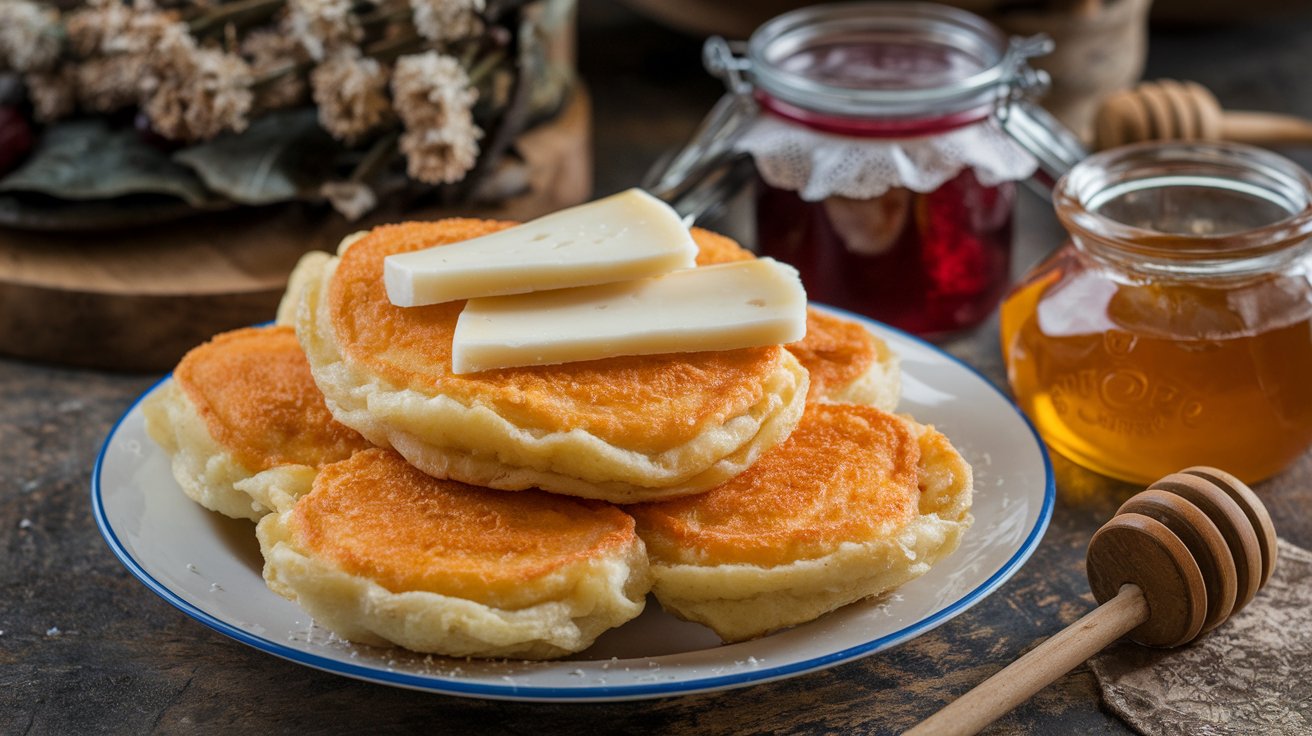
138, 299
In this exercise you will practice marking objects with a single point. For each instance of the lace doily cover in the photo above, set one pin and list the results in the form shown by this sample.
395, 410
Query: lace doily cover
820, 165
1251, 675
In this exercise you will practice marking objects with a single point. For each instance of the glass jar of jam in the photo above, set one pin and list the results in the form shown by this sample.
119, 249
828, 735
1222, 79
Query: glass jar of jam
1174, 328
886, 167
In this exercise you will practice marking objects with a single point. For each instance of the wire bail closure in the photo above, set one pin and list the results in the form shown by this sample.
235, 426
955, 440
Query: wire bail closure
1055, 146
727, 60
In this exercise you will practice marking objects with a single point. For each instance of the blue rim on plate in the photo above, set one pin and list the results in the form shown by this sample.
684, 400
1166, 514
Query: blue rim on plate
599, 692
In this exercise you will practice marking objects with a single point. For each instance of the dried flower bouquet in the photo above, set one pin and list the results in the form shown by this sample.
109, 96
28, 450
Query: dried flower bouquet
260, 101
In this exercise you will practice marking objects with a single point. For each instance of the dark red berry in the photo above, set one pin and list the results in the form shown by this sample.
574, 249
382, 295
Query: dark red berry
15, 138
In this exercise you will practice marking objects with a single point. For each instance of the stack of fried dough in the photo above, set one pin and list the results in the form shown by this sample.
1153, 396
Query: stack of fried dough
522, 512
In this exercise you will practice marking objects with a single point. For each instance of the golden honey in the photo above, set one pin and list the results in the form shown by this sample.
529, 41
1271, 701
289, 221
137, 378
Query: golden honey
1184, 339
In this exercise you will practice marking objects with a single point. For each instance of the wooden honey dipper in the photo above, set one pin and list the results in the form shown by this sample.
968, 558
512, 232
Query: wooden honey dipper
1171, 110
1174, 562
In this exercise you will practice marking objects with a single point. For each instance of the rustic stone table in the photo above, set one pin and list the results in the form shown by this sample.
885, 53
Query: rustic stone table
84, 648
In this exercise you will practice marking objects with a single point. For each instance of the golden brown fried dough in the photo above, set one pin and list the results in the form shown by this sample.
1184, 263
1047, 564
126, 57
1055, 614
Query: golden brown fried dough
846, 363
380, 553
622, 429
242, 418
856, 502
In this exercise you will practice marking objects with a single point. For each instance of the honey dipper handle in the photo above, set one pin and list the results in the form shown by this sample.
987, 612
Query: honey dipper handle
1060, 654
1265, 129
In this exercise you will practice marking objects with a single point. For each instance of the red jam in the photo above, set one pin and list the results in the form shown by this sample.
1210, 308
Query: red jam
933, 264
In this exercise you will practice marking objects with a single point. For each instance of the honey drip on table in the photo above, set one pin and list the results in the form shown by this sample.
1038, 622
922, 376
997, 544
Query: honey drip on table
1099, 366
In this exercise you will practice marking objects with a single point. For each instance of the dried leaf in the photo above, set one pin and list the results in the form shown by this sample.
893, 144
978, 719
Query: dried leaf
87, 160
282, 156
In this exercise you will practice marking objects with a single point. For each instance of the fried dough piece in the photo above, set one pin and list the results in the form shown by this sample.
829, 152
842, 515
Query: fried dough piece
243, 420
623, 429
856, 502
381, 553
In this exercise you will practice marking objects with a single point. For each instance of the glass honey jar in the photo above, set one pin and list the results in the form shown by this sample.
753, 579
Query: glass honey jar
1174, 327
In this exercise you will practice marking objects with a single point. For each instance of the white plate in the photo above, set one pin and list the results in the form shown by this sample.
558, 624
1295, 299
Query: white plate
209, 567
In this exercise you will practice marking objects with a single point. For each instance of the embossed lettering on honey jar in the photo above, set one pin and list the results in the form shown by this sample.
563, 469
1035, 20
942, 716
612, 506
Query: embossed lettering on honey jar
1175, 327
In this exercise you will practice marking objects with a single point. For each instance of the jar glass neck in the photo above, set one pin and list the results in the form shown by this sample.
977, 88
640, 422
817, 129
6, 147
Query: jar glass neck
885, 60
1193, 209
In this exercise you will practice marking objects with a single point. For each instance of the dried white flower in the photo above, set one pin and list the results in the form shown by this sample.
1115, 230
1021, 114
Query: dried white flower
352, 199
53, 94
323, 26
271, 51
109, 83
351, 94
172, 55
30, 36
145, 31
114, 27
201, 93
447, 20
434, 100
169, 56
89, 26
441, 155
431, 87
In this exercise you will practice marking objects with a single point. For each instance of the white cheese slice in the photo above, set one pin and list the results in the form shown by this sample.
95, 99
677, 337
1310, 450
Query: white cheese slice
630, 235
725, 307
